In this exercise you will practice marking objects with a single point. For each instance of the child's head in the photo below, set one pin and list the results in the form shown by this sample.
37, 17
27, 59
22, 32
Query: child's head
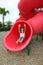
22, 30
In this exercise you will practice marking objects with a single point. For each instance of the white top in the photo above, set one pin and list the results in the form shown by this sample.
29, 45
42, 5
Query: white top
22, 34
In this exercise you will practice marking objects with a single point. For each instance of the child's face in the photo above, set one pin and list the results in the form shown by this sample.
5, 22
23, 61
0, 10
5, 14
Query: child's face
22, 30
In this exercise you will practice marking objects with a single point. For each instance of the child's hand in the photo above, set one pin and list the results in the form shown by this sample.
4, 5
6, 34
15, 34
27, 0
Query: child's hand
19, 25
24, 25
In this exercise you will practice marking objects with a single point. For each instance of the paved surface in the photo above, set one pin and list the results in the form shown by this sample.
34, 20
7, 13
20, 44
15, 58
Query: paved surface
22, 58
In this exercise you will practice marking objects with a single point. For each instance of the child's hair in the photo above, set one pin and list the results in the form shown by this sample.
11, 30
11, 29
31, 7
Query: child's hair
22, 30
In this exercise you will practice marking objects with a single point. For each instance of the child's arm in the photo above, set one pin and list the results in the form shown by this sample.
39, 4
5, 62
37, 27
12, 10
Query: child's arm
19, 27
24, 27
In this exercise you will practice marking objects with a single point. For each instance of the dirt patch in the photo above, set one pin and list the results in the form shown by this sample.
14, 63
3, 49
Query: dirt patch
22, 58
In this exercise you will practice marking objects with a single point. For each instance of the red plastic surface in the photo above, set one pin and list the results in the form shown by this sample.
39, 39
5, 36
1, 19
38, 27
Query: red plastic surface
13, 35
37, 23
26, 7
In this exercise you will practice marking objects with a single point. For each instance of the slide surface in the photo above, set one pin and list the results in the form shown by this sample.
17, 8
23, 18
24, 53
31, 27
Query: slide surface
33, 25
13, 35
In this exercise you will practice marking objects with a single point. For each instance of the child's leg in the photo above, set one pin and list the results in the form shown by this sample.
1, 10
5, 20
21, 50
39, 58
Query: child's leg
21, 39
18, 41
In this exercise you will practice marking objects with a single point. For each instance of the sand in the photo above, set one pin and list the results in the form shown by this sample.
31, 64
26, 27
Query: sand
22, 58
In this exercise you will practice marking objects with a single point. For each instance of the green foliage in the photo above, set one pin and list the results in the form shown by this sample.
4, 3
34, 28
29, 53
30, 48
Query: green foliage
0, 24
19, 13
1, 29
9, 24
3, 11
6, 27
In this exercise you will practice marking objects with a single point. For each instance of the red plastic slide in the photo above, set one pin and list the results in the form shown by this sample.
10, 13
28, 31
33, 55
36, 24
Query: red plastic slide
33, 21
27, 7
13, 35
32, 27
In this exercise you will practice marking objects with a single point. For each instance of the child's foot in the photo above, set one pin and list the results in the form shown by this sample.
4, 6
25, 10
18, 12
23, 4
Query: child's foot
20, 40
16, 42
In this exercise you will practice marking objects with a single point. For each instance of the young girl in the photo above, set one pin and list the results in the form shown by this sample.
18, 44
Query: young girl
22, 33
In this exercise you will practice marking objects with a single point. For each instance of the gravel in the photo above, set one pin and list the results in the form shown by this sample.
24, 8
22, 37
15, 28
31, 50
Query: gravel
22, 58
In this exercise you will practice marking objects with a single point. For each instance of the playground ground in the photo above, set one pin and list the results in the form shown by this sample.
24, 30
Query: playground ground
22, 58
